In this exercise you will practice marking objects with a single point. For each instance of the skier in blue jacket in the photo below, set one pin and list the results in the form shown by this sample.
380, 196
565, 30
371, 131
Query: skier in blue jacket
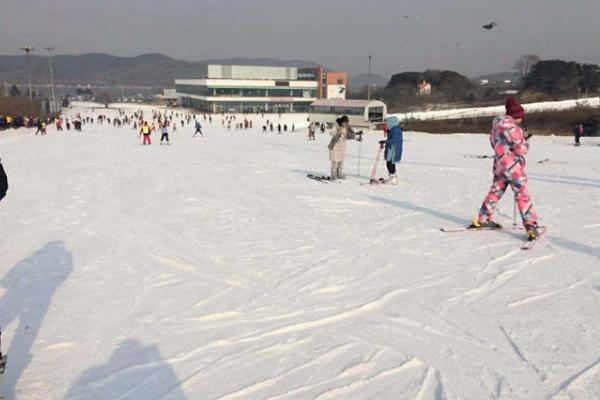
393, 148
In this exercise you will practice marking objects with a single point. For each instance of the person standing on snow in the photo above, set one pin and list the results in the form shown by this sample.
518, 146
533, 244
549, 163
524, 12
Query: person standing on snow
579, 132
164, 130
41, 127
393, 148
198, 129
311, 131
510, 147
146, 131
3, 182
337, 147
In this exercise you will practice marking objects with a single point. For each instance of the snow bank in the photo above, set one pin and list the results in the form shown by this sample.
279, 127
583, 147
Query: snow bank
497, 110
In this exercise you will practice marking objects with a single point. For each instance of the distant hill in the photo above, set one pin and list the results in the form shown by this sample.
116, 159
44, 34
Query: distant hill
106, 69
500, 77
363, 80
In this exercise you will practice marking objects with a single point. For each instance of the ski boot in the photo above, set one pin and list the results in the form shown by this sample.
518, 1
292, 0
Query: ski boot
475, 224
392, 180
533, 233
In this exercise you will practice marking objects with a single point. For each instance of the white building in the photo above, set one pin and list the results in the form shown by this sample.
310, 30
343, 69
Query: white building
244, 88
361, 113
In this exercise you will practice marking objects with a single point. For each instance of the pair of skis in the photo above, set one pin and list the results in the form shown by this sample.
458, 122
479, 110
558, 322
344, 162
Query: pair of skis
328, 179
322, 178
527, 245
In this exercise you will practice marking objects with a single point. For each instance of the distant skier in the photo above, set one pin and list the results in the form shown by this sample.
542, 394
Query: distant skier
510, 147
146, 131
41, 127
198, 129
393, 148
579, 132
311, 131
3, 182
164, 130
337, 147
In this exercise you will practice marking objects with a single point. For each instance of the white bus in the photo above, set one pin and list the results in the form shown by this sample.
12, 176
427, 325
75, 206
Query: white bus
368, 114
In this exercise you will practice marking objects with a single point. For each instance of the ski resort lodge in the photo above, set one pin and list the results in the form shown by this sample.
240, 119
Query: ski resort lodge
245, 88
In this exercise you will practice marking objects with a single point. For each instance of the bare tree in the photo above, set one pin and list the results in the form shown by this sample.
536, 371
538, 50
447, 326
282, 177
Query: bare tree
104, 98
524, 64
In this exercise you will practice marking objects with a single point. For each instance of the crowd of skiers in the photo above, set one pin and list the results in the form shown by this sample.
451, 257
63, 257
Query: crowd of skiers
15, 122
507, 139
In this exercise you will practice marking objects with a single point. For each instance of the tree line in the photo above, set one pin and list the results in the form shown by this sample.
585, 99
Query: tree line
533, 75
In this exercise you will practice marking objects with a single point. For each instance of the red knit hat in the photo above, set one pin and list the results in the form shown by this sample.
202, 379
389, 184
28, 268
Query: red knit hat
514, 109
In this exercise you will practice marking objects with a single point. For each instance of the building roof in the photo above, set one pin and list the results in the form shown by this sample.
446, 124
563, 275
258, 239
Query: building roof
347, 103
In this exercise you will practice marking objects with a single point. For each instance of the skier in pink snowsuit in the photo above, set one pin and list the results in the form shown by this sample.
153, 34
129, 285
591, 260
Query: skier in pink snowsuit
510, 147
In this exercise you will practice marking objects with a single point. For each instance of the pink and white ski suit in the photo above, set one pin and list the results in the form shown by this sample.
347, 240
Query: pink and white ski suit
510, 147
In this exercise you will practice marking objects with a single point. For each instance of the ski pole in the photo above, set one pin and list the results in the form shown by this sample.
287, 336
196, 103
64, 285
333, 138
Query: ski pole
359, 155
374, 170
515, 213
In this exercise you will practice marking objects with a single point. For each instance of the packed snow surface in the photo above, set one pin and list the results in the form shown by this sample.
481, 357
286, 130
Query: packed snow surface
214, 269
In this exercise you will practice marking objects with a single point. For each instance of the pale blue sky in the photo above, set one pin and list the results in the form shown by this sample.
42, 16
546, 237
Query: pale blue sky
337, 33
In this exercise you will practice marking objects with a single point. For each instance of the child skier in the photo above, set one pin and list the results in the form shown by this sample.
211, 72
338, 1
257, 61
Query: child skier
198, 129
164, 130
146, 131
393, 148
311, 131
510, 147
337, 147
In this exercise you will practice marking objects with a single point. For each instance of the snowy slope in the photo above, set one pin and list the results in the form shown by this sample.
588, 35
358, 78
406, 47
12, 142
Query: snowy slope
213, 269
497, 110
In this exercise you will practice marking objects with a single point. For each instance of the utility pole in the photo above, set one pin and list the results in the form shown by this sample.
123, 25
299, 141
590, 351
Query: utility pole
369, 83
28, 50
52, 98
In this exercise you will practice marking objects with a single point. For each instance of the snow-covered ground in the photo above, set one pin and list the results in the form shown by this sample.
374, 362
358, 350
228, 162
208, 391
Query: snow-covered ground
214, 269
475, 112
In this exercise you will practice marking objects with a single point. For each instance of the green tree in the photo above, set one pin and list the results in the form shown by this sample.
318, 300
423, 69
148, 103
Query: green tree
590, 78
554, 76
14, 91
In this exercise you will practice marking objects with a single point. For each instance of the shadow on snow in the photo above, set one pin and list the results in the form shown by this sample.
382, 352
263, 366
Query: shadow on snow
30, 285
134, 371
